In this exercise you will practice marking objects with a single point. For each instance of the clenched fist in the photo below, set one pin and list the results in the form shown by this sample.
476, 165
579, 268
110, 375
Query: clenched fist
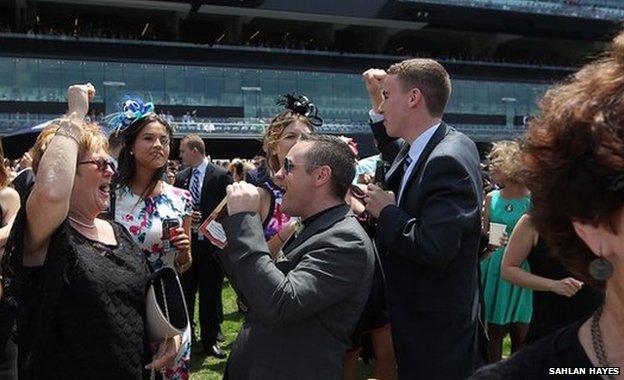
78, 98
242, 197
373, 78
377, 199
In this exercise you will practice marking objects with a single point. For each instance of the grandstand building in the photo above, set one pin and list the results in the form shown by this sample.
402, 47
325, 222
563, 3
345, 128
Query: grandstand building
217, 67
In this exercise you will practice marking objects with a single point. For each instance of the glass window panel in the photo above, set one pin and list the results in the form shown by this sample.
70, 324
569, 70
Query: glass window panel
287, 82
7, 79
214, 85
133, 77
268, 84
94, 72
194, 84
174, 85
305, 84
232, 81
27, 79
72, 73
154, 82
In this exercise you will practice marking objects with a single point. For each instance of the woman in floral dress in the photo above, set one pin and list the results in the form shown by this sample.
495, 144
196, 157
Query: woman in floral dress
143, 201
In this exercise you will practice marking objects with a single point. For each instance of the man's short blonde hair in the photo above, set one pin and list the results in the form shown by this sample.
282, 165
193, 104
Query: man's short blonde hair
429, 77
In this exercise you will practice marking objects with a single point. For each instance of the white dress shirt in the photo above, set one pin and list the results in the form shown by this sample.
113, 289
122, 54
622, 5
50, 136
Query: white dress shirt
415, 151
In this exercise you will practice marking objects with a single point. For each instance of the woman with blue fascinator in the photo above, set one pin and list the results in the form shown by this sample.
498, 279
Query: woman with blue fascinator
147, 206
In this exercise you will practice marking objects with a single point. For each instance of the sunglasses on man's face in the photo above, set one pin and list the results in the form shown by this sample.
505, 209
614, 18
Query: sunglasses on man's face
289, 165
101, 163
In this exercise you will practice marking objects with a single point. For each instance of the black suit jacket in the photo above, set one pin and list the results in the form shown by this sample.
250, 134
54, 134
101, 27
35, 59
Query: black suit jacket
215, 181
431, 240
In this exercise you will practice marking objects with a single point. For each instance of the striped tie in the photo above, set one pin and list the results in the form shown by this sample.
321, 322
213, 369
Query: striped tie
407, 161
194, 188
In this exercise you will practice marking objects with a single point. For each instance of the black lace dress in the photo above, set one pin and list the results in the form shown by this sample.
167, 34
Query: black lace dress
94, 326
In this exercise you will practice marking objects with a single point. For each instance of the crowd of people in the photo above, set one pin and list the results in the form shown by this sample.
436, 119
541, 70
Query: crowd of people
453, 269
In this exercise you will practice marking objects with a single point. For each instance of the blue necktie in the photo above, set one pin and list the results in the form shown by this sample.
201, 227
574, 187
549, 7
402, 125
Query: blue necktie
194, 188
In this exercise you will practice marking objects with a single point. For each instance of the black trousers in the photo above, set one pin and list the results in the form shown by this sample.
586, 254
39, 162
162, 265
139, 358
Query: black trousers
206, 277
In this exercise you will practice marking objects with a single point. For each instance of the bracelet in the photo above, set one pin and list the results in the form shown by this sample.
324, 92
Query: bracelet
71, 130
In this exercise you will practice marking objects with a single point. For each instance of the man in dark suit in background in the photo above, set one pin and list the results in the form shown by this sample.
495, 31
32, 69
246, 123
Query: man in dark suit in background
429, 224
303, 310
207, 183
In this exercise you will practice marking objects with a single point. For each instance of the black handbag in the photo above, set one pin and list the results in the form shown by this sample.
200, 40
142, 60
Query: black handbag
166, 312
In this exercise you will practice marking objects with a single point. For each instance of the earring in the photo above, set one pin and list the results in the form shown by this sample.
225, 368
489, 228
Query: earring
600, 268
131, 153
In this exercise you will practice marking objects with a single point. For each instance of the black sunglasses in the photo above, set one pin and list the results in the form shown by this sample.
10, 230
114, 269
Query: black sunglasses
101, 163
289, 165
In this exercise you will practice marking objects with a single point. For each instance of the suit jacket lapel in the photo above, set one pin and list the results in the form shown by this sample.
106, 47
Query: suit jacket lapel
435, 140
185, 178
207, 177
317, 225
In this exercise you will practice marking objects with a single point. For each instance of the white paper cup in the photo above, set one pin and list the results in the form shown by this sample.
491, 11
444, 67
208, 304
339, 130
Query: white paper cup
497, 231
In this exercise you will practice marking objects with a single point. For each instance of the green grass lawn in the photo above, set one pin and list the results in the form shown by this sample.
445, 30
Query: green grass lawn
210, 368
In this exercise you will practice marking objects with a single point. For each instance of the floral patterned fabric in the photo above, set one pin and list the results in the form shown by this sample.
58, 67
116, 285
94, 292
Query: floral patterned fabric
143, 219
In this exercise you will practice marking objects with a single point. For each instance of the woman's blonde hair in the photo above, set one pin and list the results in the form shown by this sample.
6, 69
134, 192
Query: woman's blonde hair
505, 156
92, 140
273, 134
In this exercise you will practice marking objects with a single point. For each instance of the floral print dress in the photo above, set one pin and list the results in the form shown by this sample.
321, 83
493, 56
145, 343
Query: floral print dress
143, 219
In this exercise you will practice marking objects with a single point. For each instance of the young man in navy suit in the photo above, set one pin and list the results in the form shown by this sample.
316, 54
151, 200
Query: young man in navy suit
429, 223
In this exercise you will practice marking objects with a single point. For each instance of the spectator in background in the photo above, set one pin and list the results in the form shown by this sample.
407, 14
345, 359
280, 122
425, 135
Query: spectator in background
260, 173
574, 164
558, 297
29, 162
115, 143
9, 205
239, 169
508, 308
206, 182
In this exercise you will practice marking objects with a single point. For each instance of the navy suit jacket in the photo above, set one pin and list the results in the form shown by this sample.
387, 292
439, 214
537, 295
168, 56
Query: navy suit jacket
431, 242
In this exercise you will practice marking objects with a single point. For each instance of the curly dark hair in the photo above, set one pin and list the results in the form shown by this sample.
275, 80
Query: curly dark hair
573, 153
127, 166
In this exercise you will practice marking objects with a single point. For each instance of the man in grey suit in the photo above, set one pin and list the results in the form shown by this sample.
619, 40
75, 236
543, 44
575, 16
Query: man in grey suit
429, 225
301, 310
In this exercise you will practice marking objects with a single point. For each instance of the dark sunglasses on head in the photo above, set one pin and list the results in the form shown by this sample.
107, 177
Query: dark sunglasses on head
101, 163
289, 165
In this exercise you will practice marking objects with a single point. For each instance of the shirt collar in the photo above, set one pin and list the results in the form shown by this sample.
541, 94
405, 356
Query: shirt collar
202, 167
421, 142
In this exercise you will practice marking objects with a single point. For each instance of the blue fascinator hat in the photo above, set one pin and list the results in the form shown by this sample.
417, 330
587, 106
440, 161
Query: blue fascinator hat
131, 109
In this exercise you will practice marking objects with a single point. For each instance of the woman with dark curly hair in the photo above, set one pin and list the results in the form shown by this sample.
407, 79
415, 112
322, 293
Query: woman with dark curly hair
574, 159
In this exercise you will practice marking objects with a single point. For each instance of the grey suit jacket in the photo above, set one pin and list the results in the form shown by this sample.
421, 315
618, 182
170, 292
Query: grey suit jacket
303, 310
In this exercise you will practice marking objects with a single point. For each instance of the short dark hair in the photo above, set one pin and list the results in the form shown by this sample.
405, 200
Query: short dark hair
335, 153
193, 141
429, 77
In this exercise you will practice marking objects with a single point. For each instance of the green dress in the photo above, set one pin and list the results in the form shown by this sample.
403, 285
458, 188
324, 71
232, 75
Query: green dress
505, 303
